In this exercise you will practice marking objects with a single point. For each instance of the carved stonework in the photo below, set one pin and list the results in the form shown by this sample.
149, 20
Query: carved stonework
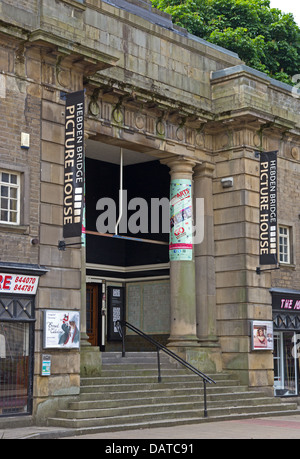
295, 153
126, 116
140, 121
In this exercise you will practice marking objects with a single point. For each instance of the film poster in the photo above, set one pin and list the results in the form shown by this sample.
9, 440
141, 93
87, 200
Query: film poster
181, 221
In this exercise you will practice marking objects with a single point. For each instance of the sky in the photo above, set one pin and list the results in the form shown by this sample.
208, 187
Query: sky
288, 6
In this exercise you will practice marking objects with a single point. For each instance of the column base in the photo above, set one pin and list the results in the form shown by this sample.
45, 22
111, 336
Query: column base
209, 342
182, 341
90, 359
206, 359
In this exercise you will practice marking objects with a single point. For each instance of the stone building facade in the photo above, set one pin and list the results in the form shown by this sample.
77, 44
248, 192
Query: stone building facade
182, 109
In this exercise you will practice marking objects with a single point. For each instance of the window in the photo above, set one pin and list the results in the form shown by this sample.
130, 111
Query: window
9, 197
17, 317
286, 363
284, 245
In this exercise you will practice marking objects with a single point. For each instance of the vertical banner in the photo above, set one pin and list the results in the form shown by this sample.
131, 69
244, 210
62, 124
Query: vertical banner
181, 220
74, 165
268, 209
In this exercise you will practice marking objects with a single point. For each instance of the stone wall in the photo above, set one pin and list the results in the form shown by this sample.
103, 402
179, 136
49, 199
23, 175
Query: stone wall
152, 87
20, 112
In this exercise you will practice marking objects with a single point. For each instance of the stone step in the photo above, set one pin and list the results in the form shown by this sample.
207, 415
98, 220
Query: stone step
135, 386
178, 415
139, 358
129, 396
93, 402
158, 392
106, 410
169, 422
166, 378
120, 371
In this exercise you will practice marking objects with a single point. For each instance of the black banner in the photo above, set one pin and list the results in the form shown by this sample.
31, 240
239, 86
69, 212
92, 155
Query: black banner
74, 165
286, 301
268, 209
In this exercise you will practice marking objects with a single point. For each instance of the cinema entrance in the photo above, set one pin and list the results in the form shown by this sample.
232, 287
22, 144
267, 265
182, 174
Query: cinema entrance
127, 267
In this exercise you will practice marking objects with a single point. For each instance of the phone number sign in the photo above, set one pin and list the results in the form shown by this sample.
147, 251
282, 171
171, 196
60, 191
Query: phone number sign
17, 283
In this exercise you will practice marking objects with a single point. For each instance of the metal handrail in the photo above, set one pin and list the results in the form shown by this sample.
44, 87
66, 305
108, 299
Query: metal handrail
121, 324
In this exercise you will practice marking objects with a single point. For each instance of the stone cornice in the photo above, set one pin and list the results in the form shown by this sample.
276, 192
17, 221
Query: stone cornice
163, 106
242, 92
91, 59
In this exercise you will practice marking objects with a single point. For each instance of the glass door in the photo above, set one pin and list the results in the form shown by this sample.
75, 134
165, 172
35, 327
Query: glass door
278, 363
286, 365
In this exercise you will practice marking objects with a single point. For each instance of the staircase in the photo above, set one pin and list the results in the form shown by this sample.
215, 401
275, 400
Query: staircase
129, 396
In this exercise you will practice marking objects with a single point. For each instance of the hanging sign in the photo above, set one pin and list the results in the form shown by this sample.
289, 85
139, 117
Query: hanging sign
18, 284
74, 165
181, 222
261, 335
268, 209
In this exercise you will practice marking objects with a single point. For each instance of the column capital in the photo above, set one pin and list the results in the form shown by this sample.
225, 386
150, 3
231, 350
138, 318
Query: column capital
180, 167
206, 169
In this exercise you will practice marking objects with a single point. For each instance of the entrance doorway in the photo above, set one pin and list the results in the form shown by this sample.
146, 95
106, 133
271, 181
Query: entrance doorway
103, 309
92, 313
133, 258
286, 364
16, 355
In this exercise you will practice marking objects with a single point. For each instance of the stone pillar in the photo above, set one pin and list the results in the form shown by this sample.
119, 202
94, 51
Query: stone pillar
205, 271
183, 335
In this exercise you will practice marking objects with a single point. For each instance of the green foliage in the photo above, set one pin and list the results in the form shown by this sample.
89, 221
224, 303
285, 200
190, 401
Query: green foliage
264, 38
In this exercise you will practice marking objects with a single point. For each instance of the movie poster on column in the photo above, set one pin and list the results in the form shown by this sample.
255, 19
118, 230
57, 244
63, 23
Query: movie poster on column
181, 221
268, 209
74, 165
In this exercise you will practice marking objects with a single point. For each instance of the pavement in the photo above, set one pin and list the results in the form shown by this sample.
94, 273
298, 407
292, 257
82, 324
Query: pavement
277, 427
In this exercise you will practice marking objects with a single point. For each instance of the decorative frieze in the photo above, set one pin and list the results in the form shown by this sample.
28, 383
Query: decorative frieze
145, 121
112, 108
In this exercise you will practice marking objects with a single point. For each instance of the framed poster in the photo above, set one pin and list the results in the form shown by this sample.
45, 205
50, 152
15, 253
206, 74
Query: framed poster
261, 335
61, 329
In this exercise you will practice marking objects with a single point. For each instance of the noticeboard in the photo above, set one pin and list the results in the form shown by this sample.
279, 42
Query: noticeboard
115, 311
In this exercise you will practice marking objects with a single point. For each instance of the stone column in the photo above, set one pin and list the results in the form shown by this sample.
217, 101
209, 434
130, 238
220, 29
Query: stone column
183, 335
205, 271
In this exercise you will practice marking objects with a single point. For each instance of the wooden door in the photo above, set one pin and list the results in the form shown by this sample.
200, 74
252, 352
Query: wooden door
92, 302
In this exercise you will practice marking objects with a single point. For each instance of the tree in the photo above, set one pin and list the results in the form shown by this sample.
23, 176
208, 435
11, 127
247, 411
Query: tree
265, 38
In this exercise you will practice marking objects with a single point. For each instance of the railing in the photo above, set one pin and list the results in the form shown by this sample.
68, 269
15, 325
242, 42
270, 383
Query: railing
121, 324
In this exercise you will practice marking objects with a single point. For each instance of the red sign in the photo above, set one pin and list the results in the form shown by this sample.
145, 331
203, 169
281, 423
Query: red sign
18, 283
